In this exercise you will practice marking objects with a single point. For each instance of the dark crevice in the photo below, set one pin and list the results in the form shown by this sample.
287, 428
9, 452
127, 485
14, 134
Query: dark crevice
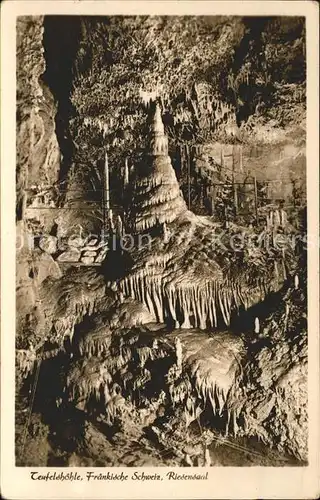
61, 40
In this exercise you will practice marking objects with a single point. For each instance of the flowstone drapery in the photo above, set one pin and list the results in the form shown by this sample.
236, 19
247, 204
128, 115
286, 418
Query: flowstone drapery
190, 273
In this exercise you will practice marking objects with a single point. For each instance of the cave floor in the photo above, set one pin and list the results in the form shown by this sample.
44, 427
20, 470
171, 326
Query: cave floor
135, 450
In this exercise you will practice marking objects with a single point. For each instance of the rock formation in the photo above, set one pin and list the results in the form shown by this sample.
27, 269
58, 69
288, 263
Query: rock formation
131, 359
189, 274
38, 154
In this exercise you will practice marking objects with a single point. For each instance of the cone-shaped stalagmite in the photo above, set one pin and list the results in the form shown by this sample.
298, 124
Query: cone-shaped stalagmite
157, 198
179, 275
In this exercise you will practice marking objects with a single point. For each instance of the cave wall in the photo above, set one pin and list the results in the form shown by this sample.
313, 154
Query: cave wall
38, 153
37, 162
283, 163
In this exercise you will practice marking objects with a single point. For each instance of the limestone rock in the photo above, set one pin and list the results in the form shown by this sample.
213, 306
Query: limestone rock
102, 255
38, 154
131, 313
72, 255
157, 197
90, 248
48, 244
87, 260
76, 241
89, 253
92, 242
46, 267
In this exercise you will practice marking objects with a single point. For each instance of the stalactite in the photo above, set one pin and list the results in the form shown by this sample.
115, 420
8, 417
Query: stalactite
178, 348
256, 325
196, 306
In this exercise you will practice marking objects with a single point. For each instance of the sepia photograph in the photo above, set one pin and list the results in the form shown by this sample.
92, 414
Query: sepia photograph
161, 252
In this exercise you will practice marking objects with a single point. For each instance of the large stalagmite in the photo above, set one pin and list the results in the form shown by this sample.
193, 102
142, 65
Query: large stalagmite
189, 275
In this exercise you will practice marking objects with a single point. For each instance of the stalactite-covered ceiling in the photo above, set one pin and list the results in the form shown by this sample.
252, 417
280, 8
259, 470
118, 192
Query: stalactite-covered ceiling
211, 74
